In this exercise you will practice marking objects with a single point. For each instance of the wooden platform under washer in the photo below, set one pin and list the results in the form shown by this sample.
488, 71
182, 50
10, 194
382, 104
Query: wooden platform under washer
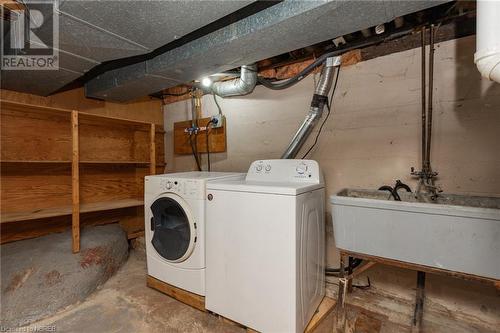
315, 324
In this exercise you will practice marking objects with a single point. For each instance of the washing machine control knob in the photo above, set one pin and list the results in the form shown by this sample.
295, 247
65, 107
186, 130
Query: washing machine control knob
301, 168
168, 185
268, 167
258, 167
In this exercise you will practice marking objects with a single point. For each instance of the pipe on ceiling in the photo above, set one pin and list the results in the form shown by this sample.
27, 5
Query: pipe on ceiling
320, 98
239, 86
487, 56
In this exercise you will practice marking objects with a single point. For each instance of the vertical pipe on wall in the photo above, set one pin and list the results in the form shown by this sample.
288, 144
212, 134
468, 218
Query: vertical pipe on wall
424, 135
430, 101
419, 302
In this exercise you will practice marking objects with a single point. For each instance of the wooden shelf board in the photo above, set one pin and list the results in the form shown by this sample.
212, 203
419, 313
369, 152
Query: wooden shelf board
83, 115
81, 162
90, 117
36, 214
108, 205
35, 161
66, 210
33, 108
113, 162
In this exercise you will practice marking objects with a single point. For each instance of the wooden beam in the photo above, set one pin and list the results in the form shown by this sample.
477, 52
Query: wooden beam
324, 309
128, 218
152, 150
196, 301
12, 5
423, 268
75, 183
364, 267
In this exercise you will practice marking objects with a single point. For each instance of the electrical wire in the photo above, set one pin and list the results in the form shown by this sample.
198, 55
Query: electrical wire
209, 166
306, 71
217, 103
329, 108
194, 150
335, 272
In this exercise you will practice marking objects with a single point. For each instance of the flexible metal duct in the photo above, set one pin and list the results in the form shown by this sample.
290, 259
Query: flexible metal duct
320, 98
240, 86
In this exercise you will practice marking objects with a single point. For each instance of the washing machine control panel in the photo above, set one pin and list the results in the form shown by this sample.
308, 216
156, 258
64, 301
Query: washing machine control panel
284, 171
187, 188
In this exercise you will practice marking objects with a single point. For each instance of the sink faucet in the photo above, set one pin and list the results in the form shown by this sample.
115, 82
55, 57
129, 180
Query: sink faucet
426, 181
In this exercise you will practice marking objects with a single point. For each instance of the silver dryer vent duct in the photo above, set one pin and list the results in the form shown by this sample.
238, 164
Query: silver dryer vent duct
240, 86
320, 98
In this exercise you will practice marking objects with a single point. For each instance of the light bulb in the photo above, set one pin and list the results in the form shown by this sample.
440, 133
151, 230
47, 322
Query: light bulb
206, 82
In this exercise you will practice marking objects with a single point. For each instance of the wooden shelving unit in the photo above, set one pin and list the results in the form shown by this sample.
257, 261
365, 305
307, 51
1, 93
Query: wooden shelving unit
32, 161
68, 210
56, 162
147, 163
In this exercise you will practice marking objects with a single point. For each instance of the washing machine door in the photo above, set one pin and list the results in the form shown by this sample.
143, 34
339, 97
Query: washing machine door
174, 231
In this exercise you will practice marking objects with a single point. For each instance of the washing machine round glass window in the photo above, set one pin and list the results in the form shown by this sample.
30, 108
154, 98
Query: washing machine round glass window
172, 237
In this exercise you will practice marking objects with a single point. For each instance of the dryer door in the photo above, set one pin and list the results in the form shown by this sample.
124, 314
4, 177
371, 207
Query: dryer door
174, 231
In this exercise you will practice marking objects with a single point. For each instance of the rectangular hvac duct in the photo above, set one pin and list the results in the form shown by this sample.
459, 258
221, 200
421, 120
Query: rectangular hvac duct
286, 26
96, 31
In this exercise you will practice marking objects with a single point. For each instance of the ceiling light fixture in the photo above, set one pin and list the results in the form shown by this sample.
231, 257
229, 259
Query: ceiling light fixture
206, 82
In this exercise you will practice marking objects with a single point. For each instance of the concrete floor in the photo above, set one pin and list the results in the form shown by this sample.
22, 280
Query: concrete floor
125, 304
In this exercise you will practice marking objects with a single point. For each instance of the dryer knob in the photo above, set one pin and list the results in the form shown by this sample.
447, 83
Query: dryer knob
210, 197
301, 168
168, 185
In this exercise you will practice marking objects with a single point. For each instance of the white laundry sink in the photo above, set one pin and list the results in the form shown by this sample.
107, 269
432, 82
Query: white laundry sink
457, 233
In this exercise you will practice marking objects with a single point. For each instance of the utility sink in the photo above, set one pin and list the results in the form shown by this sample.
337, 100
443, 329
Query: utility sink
454, 232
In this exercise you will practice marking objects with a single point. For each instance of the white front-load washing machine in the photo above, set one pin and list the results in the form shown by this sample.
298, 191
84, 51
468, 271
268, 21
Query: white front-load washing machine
174, 211
266, 246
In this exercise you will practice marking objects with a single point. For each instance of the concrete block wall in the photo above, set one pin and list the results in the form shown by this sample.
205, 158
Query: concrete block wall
372, 138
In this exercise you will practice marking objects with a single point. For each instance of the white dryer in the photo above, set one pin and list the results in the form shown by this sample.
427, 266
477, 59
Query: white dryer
174, 211
266, 245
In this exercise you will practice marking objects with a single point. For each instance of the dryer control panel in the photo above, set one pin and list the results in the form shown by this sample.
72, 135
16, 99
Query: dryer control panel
187, 188
303, 171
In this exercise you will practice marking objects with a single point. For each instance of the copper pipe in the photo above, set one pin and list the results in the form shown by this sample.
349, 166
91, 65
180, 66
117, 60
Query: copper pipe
424, 155
429, 112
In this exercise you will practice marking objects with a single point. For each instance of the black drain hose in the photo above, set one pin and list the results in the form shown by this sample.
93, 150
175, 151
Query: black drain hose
336, 271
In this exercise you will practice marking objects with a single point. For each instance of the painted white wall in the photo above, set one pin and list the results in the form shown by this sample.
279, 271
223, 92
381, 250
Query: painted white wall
373, 138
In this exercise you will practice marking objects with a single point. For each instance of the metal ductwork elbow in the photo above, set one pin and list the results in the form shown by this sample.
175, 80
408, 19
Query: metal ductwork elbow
240, 86
320, 98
